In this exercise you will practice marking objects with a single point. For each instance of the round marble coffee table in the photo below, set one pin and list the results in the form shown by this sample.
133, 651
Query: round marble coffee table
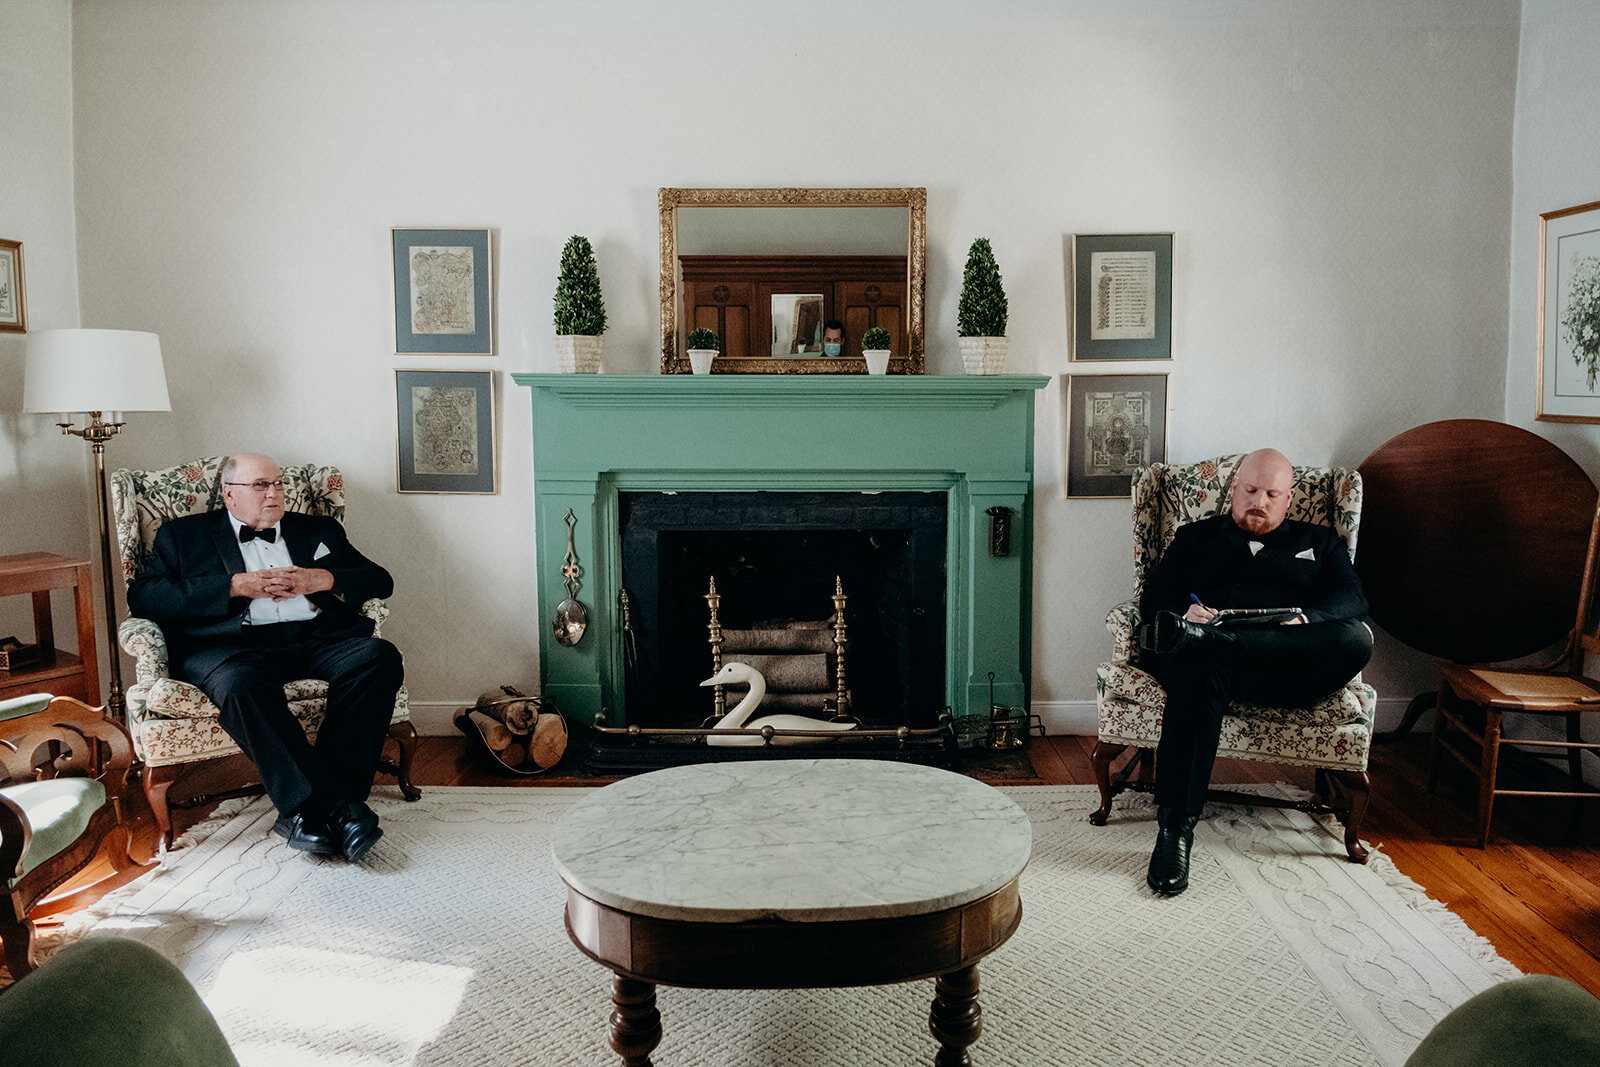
792, 874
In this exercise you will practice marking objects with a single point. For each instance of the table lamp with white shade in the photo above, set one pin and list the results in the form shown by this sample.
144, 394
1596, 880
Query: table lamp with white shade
98, 373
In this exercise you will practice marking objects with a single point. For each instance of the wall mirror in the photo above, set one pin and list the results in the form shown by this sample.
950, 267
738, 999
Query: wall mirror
766, 269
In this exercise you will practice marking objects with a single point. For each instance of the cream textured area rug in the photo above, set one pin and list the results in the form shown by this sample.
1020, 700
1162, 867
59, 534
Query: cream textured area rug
447, 947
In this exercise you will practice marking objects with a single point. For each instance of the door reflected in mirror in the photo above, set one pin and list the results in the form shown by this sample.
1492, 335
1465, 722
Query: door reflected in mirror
797, 320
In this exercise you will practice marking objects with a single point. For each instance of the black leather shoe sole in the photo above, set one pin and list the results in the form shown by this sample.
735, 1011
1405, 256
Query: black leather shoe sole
356, 839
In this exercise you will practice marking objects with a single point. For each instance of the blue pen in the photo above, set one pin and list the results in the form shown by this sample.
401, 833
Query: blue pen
1195, 599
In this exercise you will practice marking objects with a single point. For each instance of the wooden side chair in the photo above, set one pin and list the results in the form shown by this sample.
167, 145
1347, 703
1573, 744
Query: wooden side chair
1469, 717
1334, 736
63, 770
173, 726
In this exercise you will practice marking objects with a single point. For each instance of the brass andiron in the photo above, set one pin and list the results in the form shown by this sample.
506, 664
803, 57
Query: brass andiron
1003, 724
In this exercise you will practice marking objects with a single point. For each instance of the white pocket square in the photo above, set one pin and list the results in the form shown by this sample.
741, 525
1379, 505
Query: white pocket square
1307, 554
324, 550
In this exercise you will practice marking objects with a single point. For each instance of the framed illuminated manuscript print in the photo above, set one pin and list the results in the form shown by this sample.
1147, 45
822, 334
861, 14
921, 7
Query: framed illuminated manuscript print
443, 292
1569, 315
445, 431
1115, 424
1121, 296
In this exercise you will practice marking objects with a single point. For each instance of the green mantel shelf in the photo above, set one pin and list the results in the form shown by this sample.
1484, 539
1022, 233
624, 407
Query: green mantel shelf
970, 437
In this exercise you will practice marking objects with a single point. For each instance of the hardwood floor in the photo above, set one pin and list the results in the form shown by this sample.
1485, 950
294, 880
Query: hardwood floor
1534, 892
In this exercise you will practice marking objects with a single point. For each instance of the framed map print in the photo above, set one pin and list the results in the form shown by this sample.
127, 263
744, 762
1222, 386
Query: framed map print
443, 293
445, 438
1569, 315
1115, 423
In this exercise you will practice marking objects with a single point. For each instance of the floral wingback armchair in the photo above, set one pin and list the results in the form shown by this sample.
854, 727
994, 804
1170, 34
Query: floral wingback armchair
1334, 736
172, 723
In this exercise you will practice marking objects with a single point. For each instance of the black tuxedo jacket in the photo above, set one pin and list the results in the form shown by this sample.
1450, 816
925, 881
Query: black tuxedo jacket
1300, 564
186, 587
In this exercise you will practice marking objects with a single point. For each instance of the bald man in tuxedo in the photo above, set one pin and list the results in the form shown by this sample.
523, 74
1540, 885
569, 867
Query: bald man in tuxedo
1251, 557
252, 597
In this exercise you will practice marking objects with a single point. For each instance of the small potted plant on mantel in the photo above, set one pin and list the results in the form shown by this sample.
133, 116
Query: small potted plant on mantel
875, 350
580, 309
703, 348
981, 314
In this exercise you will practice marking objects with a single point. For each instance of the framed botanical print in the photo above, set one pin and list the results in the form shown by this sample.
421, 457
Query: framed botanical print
1115, 424
1121, 296
443, 292
1569, 314
445, 431
13, 299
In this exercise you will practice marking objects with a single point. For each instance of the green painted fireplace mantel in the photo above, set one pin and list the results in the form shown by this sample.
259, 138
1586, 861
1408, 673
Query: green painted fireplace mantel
970, 437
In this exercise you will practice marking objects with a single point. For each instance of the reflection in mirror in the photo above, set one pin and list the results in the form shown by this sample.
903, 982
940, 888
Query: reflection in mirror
796, 324
766, 269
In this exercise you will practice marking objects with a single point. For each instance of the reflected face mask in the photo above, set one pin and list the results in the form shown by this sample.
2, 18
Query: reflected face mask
831, 349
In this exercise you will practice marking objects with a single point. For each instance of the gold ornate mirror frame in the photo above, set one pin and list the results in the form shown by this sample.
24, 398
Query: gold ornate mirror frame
674, 356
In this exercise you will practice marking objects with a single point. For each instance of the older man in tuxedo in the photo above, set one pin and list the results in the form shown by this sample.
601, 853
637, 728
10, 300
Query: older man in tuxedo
1251, 558
252, 597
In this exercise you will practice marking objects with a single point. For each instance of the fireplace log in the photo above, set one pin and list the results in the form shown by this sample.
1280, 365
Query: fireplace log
515, 754
494, 732
549, 741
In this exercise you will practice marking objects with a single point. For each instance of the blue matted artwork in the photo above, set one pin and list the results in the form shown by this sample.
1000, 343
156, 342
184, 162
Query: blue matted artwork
443, 302
445, 439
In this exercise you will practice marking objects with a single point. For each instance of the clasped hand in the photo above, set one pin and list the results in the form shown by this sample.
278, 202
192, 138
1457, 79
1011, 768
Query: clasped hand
281, 583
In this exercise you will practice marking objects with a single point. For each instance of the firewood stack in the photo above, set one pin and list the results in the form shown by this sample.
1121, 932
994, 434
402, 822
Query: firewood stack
523, 734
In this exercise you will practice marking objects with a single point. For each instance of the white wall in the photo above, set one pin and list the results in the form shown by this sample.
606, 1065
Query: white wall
1336, 175
45, 502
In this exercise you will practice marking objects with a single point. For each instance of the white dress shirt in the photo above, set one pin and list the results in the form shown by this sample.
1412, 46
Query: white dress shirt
260, 555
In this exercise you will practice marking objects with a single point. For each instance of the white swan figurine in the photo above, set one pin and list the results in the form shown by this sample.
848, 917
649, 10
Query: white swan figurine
736, 673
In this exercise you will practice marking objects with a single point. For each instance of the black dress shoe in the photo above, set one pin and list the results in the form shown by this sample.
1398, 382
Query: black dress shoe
355, 830
1169, 863
1172, 634
305, 835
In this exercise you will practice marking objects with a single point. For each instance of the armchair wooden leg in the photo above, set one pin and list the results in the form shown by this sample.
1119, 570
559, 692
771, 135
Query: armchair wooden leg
404, 736
1436, 743
1357, 788
1104, 752
17, 934
157, 780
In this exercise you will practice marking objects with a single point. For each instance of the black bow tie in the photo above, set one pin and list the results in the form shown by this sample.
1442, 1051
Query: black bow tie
248, 534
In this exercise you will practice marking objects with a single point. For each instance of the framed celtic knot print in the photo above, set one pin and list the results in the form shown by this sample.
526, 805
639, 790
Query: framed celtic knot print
445, 438
1115, 423
443, 293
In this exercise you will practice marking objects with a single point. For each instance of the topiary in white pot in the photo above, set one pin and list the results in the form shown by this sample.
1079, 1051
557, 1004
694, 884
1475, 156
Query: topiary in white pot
703, 348
981, 314
875, 350
580, 309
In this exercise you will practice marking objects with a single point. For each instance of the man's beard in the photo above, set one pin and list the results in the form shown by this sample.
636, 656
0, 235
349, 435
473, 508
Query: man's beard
1256, 521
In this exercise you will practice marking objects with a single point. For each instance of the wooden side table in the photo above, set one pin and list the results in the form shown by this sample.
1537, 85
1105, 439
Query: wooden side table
56, 672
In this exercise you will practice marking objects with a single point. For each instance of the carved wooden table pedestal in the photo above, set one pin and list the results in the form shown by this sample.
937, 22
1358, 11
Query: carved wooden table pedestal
793, 874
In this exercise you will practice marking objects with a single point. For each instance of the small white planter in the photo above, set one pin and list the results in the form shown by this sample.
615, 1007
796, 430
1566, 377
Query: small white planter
877, 360
983, 355
700, 359
578, 353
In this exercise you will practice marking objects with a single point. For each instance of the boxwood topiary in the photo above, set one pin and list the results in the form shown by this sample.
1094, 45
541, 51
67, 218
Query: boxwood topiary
982, 310
579, 306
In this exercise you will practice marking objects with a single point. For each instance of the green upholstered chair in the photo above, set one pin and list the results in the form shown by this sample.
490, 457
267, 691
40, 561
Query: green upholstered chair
173, 726
63, 770
1537, 1020
1333, 736
109, 1000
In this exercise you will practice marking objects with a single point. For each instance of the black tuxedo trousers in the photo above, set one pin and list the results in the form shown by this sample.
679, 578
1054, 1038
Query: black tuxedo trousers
1275, 665
363, 674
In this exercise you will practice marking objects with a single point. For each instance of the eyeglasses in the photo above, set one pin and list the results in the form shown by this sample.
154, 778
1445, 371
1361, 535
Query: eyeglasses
259, 486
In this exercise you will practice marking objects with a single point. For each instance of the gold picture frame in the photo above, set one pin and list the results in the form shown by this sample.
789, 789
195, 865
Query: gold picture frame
1569, 315
13, 291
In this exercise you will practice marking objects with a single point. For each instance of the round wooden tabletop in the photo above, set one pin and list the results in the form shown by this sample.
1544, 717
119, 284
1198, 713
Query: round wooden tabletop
1472, 539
